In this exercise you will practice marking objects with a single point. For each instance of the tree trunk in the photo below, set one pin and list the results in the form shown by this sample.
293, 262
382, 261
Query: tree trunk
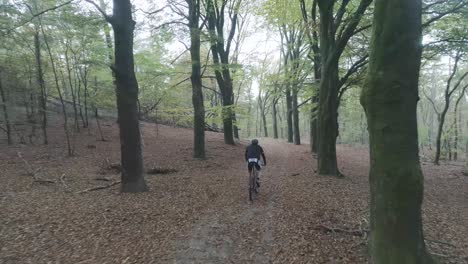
5, 113
328, 94
41, 84
455, 140
289, 113
197, 91
59, 91
275, 118
390, 98
235, 126
440, 129
328, 121
72, 90
127, 96
264, 121
96, 113
295, 114
313, 127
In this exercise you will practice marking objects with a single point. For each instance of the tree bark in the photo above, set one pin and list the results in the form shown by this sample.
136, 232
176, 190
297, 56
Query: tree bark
295, 114
127, 96
275, 118
197, 90
390, 99
42, 88
289, 113
5, 112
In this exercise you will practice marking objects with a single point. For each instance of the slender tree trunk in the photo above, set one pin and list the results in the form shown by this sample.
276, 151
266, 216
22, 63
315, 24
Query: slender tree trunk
197, 91
295, 108
96, 114
42, 88
275, 118
313, 127
390, 98
127, 96
59, 91
440, 129
264, 121
289, 113
72, 90
5, 112
85, 83
455, 140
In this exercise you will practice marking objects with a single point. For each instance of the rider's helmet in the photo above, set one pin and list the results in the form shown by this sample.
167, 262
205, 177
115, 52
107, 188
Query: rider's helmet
254, 141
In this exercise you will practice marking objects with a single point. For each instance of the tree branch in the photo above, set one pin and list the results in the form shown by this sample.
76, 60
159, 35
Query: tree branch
443, 14
103, 13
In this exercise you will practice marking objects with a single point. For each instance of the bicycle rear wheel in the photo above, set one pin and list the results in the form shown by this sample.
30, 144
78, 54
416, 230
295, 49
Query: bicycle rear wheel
252, 183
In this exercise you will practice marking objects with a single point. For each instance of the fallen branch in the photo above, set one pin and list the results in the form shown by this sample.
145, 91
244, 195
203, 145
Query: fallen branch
357, 232
62, 180
44, 181
31, 171
100, 187
440, 242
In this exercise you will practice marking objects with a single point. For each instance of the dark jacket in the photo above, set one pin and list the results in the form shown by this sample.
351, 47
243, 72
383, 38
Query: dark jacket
254, 152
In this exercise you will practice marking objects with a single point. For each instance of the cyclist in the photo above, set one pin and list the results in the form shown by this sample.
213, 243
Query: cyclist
252, 156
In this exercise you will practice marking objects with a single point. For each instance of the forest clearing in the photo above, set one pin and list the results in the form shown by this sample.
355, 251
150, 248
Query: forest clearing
135, 131
201, 213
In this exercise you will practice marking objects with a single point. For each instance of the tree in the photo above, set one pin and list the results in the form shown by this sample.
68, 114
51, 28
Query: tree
127, 96
449, 91
220, 48
334, 36
389, 99
197, 92
5, 111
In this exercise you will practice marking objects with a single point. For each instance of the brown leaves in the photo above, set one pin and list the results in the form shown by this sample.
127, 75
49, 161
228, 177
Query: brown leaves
200, 212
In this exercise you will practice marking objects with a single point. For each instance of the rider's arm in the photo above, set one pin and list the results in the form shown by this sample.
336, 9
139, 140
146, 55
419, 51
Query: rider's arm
246, 157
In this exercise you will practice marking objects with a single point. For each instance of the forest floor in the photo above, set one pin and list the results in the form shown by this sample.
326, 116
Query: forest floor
200, 213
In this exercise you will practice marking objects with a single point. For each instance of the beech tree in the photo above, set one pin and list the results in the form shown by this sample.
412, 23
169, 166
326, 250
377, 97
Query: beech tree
334, 36
389, 98
197, 92
127, 96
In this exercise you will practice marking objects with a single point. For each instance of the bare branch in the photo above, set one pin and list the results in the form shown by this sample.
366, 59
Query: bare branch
106, 16
38, 14
443, 14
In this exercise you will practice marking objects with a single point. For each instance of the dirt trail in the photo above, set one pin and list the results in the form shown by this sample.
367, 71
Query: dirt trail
212, 241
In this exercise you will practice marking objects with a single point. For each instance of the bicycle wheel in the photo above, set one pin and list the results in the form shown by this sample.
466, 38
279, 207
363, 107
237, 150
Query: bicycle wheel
252, 183
256, 186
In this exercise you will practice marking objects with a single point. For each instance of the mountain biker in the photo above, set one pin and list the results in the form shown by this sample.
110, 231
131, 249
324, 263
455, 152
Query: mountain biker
252, 156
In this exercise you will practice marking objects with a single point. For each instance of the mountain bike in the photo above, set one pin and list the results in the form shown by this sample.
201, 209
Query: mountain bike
253, 180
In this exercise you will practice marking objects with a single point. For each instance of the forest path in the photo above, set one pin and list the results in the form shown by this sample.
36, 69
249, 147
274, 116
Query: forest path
201, 212
243, 232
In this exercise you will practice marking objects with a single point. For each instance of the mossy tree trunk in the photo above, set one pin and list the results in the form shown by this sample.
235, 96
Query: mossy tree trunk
197, 92
389, 99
